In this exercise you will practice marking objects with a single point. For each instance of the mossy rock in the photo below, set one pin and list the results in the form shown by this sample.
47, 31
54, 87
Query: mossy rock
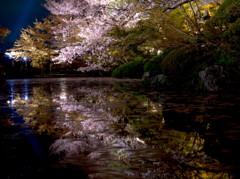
181, 67
153, 66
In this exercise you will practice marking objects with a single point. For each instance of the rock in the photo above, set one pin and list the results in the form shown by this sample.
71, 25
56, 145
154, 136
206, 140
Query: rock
146, 76
214, 78
158, 81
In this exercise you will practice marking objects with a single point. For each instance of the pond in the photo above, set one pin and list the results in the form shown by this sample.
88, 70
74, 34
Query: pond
111, 128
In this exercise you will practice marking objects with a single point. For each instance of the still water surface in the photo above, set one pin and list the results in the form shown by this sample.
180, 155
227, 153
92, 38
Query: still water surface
107, 128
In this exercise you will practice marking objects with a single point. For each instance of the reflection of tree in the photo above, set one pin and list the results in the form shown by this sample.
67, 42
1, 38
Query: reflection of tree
131, 127
90, 117
212, 117
38, 111
117, 132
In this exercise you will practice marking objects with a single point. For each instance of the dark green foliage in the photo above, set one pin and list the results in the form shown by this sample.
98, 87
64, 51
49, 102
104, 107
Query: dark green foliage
232, 34
224, 29
227, 10
153, 66
180, 66
176, 60
217, 43
233, 12
133, 69
225, 60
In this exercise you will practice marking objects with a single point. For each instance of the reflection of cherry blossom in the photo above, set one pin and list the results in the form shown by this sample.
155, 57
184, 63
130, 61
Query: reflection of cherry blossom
93, 127
92, 133
116, 132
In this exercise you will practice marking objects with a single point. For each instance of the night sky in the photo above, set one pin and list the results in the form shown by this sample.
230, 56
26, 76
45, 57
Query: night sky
18, 14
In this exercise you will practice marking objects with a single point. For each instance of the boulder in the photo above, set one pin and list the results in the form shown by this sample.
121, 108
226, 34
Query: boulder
158, 80
146, 76
214, 78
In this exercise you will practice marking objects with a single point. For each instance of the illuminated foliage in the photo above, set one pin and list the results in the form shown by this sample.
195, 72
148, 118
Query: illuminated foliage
90, 29
36, 44
161, 28
106, 34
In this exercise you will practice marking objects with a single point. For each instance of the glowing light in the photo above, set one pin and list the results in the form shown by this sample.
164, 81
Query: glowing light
159, 52
63, 95
9, 55
26, 97
12, 102
24, 58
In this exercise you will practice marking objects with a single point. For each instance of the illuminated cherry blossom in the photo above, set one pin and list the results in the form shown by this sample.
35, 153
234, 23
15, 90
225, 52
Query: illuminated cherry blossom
83, 31
90, 21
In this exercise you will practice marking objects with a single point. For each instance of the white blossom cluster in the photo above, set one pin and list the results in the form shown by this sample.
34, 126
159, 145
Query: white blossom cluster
90, 21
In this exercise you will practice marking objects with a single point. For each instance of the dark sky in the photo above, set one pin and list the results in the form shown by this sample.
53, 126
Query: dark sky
18, 14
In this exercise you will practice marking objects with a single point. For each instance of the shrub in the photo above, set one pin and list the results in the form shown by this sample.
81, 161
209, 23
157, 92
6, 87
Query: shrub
153, 66
133, 69
176, 60
181, 66
225, 60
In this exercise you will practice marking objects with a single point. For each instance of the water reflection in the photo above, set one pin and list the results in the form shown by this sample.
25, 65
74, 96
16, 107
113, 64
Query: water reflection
110, 129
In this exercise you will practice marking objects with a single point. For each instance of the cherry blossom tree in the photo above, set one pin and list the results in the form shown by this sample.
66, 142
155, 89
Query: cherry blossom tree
85, 27
90, 21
